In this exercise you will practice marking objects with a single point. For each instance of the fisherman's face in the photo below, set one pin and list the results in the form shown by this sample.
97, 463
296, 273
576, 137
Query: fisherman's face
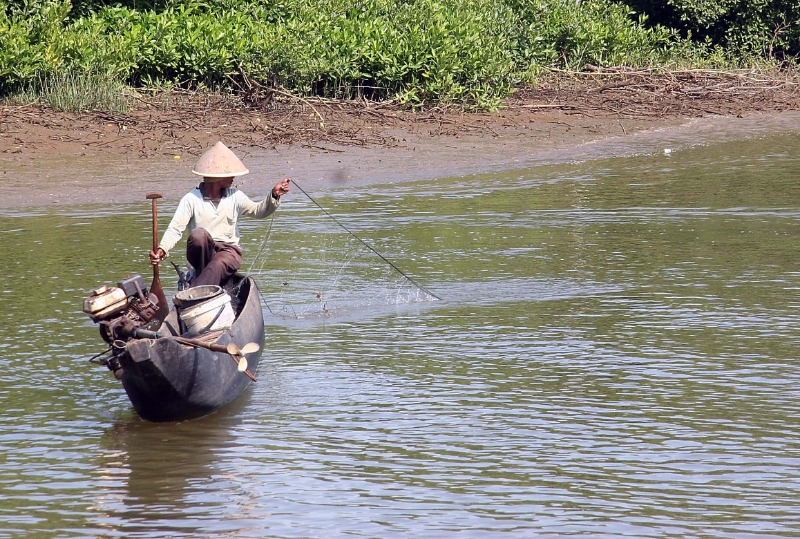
226, 183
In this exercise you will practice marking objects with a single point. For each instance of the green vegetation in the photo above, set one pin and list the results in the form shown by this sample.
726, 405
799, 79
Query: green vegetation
419, 52
767, 29
68, 91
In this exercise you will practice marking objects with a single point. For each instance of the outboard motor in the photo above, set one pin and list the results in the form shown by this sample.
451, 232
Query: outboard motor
121, 310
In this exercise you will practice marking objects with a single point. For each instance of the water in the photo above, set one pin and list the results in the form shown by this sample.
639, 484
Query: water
614, 355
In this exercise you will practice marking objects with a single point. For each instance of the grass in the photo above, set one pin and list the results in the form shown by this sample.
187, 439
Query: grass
75, 92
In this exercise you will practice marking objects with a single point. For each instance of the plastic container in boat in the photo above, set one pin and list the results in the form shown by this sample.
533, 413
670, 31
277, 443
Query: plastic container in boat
198, 294
204, 308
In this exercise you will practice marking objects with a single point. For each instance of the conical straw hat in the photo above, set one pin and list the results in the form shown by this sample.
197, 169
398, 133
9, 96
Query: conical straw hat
219, 162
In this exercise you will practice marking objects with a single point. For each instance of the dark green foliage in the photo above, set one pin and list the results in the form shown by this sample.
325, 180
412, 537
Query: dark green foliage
470, 52
767, 28
570, 35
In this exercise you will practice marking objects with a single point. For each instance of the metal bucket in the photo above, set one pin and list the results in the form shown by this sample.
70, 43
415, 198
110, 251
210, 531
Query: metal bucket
209, 309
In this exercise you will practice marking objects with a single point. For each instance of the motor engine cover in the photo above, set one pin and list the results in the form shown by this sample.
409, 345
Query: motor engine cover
105, 302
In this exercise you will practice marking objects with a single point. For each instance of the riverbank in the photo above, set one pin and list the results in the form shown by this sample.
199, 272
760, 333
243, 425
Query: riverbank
50, 157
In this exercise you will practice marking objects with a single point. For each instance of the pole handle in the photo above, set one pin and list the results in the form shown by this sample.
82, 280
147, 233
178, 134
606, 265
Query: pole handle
154, 196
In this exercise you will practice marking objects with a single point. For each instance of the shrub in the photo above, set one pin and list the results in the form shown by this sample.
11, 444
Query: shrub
765, 28
421, 52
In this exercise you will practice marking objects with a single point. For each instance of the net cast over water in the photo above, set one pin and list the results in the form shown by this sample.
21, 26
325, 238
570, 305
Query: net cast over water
350, 274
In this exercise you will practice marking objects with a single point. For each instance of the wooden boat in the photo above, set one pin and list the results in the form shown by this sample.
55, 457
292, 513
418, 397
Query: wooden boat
168, 375
171, 377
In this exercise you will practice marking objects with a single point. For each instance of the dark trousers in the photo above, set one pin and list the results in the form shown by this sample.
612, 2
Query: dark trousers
213, 261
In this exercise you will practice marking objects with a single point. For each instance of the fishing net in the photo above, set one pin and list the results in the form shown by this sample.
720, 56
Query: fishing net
315, 266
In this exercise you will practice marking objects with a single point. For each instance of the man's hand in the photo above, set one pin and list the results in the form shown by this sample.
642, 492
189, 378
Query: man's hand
281, 188
157, 256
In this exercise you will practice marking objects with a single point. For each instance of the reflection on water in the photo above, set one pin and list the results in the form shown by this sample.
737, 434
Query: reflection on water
153, 472
613, 355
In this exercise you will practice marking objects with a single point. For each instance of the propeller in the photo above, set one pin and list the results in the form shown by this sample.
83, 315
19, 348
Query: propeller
237, 354
240, 353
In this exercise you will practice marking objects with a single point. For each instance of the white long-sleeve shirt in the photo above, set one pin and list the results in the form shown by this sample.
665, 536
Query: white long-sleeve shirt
221, 221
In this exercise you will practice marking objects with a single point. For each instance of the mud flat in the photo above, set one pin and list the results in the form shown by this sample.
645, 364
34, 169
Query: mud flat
55, 158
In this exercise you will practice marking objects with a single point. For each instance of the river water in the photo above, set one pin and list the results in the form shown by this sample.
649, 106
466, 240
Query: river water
614, 354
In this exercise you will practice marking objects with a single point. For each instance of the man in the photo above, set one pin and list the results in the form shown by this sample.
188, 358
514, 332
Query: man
211, 212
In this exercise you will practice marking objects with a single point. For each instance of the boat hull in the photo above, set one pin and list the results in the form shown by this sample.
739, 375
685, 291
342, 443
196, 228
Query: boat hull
169, 381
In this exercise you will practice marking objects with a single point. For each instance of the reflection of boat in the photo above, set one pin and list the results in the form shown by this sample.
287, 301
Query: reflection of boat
169, 376
153, 473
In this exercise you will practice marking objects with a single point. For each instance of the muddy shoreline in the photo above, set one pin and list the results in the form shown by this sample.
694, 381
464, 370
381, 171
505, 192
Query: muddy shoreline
52, 158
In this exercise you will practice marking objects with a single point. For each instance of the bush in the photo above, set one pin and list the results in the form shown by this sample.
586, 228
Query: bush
569, 35
421, 52
768, 29
29, 40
